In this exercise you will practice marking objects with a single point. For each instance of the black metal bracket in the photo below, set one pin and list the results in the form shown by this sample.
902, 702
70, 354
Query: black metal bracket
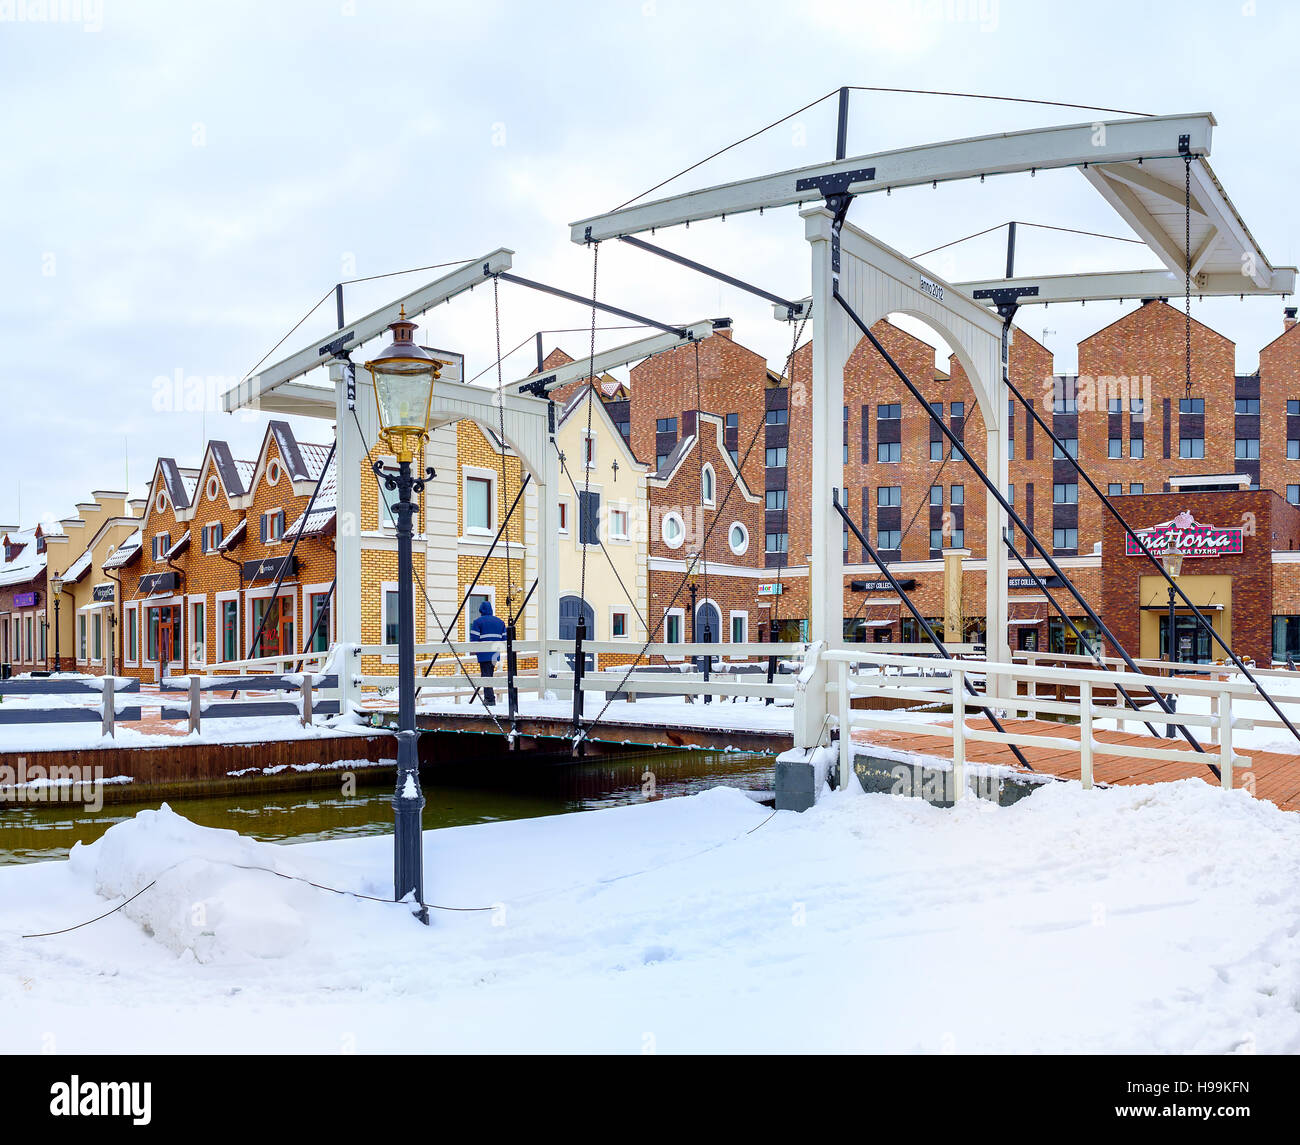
837, 184
1184, 145
537, 387
1004, 295
335, 348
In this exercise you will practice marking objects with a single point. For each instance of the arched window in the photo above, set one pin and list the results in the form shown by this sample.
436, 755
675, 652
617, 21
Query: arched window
707, 484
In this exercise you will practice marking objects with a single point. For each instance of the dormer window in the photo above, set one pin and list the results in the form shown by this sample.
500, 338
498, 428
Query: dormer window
40, 544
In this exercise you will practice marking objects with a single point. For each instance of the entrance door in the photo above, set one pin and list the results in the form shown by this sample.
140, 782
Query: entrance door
169, 634
884, 635
1027, 640
277, 633
1191, 640
708, 626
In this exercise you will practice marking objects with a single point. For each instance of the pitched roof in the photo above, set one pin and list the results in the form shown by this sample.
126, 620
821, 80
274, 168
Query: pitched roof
323, 510
126, 552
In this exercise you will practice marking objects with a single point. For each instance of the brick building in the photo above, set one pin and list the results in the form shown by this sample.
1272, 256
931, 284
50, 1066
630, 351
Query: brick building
23, 594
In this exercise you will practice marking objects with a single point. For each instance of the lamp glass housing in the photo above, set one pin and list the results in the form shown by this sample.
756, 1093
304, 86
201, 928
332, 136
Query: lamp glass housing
56, 586
403, 376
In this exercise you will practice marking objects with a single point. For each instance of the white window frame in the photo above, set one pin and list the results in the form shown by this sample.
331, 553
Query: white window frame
308, 591
625, 537
743, 616
190, 602
626, 613
287, 592
384, 589
128, 611
491, 476
563, 516
743, 548
680, 614
711, 500
219, 601
672, 515
590, 452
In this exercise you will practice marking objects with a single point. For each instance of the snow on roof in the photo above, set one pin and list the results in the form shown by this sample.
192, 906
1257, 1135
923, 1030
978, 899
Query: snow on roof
178, 547
28, 564
78, 568
323, 510
126, 552
236, 534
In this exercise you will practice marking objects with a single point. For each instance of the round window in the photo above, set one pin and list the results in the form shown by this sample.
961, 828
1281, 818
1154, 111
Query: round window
273, 472
673, 530
738, 538
161, 503
213, 488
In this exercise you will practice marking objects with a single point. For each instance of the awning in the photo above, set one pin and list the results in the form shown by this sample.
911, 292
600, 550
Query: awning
236, 535
96, 606
879, 623
179, 547
1019, 623
1180, 607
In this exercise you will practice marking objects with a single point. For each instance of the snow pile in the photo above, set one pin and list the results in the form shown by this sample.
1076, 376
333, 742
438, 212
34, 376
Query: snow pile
1137, 919
205, 902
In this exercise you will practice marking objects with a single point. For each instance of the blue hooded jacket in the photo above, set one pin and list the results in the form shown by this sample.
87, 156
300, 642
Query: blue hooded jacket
487, 627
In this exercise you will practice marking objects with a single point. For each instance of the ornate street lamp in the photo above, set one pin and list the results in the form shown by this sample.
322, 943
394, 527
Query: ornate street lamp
403, 376
56, 591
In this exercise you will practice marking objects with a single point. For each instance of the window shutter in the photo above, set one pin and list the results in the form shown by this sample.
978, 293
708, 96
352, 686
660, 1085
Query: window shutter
589, 518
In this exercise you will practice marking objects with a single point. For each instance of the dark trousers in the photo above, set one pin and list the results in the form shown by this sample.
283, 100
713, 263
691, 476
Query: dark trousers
487, 668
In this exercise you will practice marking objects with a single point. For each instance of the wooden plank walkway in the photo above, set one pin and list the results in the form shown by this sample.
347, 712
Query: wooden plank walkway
1275, 776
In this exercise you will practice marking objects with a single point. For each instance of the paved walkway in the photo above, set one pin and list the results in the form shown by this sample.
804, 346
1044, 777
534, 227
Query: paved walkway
1275, 775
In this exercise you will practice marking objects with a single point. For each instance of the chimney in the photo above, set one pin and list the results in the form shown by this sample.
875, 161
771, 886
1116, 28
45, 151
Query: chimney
722, 326
1288, 318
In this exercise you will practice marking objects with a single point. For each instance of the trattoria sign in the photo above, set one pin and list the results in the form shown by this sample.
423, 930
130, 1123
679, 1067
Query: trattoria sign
1195, 539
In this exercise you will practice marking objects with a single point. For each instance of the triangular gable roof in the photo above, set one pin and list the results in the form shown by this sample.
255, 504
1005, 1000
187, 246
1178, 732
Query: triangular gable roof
599, 410
1164, 306
232, 474
684, 447
302, 462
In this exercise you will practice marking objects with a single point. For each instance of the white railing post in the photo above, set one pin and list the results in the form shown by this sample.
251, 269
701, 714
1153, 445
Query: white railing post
958, 731
1085, 734
196, 703
1225, 739
108, 727
306, 699
845, 710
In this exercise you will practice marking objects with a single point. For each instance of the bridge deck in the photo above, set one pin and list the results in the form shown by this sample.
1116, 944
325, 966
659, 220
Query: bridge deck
1274, 775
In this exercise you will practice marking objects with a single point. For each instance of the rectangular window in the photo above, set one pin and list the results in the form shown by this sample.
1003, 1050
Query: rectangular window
1114, 489
564, 517
889, 412
776, 499
936, 538
161, 543
775, 456
889, 496
1137, 487
478, 504
81, 636
936, 494
777, 417
957, 495
199, 631
1137, 447
618, 520
1115, 405
390, 616
590, 451
733, 420
1071, 448
1246, 406
1293, 494
889, 451
660, 460
936, 451
959, 538
272, 526
1293, 448
1191, 405
1065, 538
212, 538
1246, 448
666, 425
230, 630
673, 628
1065, 493
889, 538
1191, 447
1137, 407
1115, 447
777, 542
318, 613
1292, 407
957, 409
1011, 445
618, 624
739, 627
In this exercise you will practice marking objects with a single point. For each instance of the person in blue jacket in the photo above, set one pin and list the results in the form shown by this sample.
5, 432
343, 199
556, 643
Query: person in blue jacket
486, 626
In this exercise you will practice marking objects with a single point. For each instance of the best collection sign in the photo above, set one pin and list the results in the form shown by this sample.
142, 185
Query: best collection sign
1196, 540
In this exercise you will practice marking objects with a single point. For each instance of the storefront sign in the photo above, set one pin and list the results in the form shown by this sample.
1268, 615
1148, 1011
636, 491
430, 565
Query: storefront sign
103, 594
772, 588
271, 569
881, 585
1029, 582
1195, 539
153, 583
26, 599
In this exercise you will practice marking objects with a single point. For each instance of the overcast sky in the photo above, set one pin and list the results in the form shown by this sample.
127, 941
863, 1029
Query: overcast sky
183, 181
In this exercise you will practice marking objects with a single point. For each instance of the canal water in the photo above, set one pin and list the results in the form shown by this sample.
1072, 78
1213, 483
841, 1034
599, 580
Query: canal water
41, 831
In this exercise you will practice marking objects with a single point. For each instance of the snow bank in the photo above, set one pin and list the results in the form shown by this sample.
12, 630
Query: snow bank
204, 903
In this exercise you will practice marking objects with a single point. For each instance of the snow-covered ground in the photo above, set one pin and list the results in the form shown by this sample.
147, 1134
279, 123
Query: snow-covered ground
1161, 918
